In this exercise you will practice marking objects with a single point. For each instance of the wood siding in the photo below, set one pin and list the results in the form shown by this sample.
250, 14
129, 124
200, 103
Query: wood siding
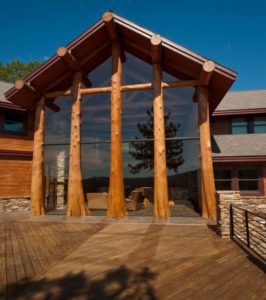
221, 126
19, 142
15, 176
15, 171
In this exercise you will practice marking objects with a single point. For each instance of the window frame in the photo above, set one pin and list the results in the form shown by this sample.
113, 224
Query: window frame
254, 126
235, 179
247, 120
224, 180
5, 132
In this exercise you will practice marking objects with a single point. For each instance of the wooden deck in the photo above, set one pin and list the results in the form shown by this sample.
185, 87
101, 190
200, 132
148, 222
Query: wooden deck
63, 260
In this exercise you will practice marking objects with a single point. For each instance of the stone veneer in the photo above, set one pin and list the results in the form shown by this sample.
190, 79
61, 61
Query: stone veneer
12, 204
226, 198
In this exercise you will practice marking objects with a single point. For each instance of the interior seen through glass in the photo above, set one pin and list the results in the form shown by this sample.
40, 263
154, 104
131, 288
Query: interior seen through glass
137, 145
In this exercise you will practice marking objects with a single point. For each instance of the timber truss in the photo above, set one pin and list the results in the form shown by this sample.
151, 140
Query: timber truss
210, 80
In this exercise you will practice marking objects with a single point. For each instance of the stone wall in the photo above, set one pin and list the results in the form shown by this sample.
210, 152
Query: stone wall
9, 205
226, 198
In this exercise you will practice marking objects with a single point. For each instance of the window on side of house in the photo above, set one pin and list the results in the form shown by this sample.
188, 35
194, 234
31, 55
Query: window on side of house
248, 179
13, 122
223, 179
259, 124
239, 125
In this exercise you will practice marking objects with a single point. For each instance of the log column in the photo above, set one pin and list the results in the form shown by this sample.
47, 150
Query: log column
116, 198
161, 205
207, 175
37, 181
76, 205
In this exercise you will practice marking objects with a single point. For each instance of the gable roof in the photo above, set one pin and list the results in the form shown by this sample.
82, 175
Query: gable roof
4, 86
93, 47
243, 100
4, 103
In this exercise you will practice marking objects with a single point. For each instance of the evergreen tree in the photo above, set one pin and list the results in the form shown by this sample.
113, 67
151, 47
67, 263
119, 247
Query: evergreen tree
17, 70
144, 151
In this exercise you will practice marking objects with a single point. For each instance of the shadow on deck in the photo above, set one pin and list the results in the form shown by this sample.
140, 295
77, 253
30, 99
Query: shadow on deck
87, 260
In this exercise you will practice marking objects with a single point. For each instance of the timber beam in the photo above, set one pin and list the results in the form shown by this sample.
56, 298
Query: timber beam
208, 200
161, 203
28, 89
205, 76
111, 27
124, 88
116, 195
37, 178
76, 203
73, 64
33, 93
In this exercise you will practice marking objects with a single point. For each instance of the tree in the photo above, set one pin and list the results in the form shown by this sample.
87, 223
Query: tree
17, 70
144, 151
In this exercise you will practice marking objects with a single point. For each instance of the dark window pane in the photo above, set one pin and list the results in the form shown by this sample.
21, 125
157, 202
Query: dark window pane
248, 185
239, 126
260, 125
222, 174
248, 174
14, 122
223, 185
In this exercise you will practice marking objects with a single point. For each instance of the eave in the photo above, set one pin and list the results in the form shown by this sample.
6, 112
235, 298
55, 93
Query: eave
93, 47
235, 112
239, 159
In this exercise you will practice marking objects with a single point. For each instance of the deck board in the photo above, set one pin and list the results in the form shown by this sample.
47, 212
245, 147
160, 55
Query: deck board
64, 260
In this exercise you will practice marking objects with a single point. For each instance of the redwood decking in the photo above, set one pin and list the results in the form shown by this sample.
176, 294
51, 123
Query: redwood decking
63, 260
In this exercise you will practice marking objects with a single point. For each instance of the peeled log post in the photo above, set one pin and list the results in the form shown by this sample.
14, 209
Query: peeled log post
161, 205
37, 177
207, 174
76, 205
116, 197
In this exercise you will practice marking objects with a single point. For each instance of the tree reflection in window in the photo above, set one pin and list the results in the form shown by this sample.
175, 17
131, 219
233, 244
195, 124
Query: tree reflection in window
144, 150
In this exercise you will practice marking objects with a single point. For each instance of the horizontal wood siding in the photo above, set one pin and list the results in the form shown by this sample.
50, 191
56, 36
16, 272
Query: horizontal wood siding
15, 170
15, 176
19, 142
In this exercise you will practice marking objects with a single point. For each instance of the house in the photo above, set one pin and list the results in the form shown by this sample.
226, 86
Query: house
117, 109
239, 143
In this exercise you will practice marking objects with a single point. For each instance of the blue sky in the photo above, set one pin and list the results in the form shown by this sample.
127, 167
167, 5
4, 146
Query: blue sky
231, 32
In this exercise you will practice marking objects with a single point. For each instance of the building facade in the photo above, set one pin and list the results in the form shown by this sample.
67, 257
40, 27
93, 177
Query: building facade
239, 143
119, 111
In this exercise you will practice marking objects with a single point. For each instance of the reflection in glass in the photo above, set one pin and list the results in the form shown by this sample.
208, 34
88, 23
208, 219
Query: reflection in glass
95, 165
135, 71
183, 182
56, 174
57, 124
138, 153
239, 126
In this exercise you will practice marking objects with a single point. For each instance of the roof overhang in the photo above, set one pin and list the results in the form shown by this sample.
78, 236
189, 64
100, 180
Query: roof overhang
93, 47
239, 159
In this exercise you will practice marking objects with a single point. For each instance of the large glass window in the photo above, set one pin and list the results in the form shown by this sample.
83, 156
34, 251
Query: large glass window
223, 179
259, 125
248, 179
137, 144
239, 126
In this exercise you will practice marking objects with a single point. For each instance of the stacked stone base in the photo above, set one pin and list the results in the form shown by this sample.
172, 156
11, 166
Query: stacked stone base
11, 205
226, 198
